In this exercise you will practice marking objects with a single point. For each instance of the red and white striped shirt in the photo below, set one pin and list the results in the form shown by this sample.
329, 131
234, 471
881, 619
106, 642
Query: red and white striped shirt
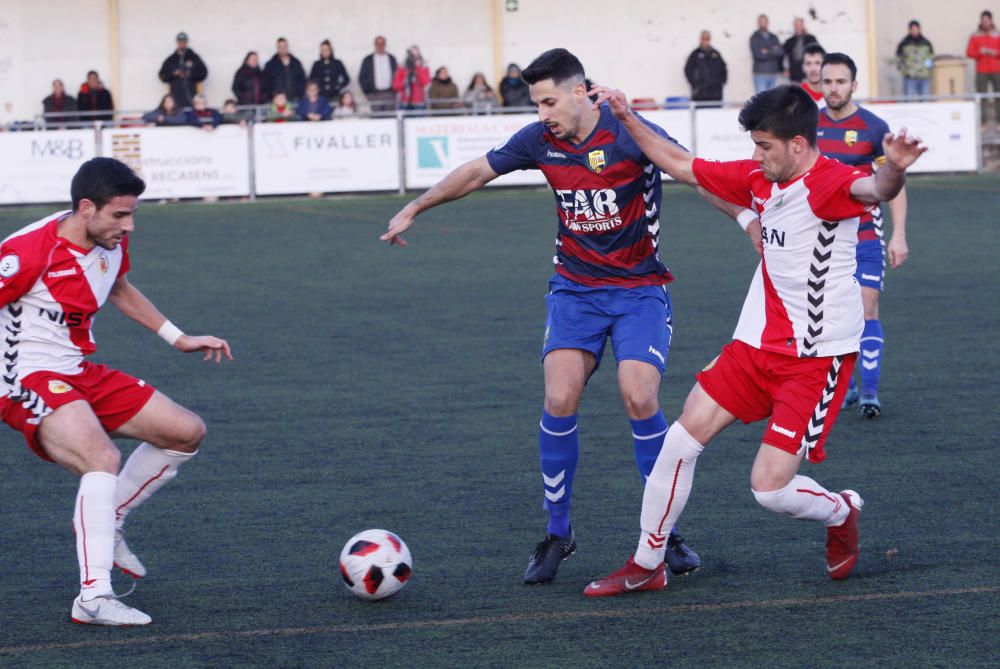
804, 300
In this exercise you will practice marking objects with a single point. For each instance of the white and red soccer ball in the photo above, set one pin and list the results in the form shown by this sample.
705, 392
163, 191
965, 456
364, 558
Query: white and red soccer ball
375, 564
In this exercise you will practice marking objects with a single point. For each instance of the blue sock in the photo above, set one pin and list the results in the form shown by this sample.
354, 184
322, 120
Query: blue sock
647, 438
559, 447
871, 357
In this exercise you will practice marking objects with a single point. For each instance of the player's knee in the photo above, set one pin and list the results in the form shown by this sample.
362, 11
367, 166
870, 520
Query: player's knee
640, 404
561, 401
101, 458
189, 434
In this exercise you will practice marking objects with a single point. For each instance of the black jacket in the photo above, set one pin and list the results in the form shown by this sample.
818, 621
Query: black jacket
289, 78
183, 86
332, 77
706, 72
795, 53
97, 99
250, 86
514, 92
366, 78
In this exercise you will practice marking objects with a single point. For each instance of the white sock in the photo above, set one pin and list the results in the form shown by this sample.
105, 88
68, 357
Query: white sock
94, 523
805, 499
666, 494
147, 470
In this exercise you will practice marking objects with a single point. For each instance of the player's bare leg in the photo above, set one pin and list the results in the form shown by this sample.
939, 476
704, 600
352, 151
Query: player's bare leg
566, 373
667, 490
73, 437
778, 487
170, 436
639, 383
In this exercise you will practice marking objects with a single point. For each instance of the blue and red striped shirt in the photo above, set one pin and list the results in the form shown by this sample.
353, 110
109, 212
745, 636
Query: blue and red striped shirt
856, 141
607, 200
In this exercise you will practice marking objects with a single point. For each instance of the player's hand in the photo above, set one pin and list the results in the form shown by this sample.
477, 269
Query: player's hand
902, 150
399, 224
898, 251
210, 346
756, 236
615, 98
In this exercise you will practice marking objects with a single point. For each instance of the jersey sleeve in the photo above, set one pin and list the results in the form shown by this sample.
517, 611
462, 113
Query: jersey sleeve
830, 195
18, 273
517, 153
727, 180
126, 263
879, 130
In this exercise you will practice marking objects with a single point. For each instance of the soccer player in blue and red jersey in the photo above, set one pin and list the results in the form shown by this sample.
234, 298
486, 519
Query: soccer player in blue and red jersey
853, 135
609, 280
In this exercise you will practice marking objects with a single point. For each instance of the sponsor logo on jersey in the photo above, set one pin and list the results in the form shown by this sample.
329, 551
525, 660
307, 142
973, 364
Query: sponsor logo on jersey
590, 210
9, 266
103, 262
62, 272
851, 137
772, 236
59, 387
710, 365
596, 161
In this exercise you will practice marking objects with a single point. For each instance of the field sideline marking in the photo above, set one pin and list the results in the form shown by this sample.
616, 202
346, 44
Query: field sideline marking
483, 620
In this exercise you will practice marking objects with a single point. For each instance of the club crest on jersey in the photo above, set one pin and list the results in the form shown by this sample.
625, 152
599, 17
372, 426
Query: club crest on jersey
59, 387
103, 262
9, 266
851, 137
596, 161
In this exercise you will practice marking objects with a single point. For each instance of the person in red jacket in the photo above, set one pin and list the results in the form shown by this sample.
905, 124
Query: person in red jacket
410, 81
984, 48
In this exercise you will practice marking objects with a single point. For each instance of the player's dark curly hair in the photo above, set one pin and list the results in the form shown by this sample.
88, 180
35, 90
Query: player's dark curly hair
555, 64
101, 179
784, 111
837, 58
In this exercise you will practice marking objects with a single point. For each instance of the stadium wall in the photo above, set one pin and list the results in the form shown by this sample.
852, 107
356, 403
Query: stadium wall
638, 45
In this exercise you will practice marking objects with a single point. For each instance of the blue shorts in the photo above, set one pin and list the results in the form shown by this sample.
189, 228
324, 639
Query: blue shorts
871, 264
638, 320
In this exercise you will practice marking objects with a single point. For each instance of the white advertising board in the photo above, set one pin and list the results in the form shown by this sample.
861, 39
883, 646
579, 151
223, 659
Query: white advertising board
38, 166
326, 156
184, 161
677, 123
719, 136
947, 128
435, 145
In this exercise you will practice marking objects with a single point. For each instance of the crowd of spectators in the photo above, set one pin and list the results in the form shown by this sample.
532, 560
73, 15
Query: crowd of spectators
281, 91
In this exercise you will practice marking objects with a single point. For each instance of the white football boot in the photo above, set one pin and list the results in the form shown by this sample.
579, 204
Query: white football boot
125, 559
106, 610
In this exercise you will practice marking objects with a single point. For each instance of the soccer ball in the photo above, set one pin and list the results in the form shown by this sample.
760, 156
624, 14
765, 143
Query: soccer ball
375, 564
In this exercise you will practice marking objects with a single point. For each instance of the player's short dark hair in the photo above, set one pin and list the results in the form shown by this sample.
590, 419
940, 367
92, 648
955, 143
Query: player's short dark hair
555, 64
813, 49
841, 59
784, 111
101, 179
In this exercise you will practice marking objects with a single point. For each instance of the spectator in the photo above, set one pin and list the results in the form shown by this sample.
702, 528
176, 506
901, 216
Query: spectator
513, 90
984, 48
410, 81
167, 113
378, 71
281, 109
59, 103
249, 84
203, 116
767, 56
183, 70
706, 71
795, 50
314, 107
479, 95
284, 72
812, 64
93, 97
230, 113
346, 106
443, 93
329, 72
914, 59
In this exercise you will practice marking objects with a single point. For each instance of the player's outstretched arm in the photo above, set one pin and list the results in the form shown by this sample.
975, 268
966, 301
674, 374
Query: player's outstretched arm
461, 181
131, 302
666, 155
901, 151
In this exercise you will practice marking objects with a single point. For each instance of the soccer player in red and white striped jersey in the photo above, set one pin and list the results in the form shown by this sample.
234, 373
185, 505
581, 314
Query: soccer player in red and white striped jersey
799, 332
55, 275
